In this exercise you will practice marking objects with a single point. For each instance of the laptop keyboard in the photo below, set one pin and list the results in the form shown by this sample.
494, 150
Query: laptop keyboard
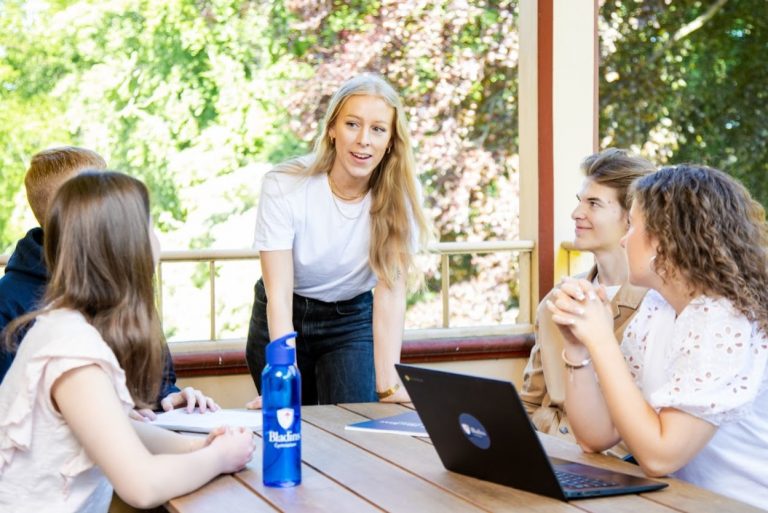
576, 481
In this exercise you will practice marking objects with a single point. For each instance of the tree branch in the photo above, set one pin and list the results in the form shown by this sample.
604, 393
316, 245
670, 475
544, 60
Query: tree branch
688, 28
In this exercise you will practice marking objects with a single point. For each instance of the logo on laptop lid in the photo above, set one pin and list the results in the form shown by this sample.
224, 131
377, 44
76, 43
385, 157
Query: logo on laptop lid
474, 431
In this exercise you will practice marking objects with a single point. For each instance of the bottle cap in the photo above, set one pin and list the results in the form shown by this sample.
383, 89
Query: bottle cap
280, 352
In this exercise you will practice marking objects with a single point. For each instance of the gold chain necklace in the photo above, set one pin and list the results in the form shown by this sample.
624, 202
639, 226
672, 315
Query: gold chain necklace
340, 195
334, 194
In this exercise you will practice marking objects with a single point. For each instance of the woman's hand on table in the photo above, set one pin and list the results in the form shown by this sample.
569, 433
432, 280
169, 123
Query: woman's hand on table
190, 398
235, 446
254, 404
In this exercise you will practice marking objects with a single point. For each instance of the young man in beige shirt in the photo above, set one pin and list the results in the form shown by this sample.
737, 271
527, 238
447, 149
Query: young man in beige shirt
601, 220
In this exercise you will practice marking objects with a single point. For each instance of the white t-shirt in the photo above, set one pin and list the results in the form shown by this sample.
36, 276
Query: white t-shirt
710, 362
330, 238
610, 290
43, 467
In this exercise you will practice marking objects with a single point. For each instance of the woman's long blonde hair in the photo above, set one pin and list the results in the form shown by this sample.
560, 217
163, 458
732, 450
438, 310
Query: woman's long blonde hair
394, 195
98, 250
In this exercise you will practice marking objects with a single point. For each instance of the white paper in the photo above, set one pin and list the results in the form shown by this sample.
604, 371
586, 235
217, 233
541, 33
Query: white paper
196, 422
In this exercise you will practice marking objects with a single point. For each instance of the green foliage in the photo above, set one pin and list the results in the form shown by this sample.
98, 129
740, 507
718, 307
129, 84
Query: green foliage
172, 91
182, 92
684, 81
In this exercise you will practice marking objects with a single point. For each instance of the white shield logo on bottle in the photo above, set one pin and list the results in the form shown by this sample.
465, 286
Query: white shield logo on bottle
285, 417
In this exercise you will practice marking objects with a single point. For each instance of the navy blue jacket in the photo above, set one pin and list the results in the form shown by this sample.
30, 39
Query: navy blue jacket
22, 287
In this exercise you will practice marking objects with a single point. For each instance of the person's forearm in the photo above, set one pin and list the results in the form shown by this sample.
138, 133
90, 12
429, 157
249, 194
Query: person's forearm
277, 273
162, 441
661, 442
586, 408
633, 417
658, 450
616, 409
388, 324
280, 315
167, 476
386, 353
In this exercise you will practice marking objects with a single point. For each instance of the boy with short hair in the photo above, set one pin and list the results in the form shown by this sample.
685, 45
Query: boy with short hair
601, 220
23, 284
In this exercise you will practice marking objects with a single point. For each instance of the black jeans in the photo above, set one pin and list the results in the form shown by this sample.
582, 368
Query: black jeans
334, 348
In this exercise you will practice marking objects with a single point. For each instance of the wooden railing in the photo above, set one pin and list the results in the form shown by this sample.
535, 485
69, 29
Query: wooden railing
445, 343
444, 249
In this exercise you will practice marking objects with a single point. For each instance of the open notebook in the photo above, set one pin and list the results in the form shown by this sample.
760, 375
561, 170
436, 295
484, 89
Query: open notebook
196, 422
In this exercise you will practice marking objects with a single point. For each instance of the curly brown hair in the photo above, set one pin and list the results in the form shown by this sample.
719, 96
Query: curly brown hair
711, 232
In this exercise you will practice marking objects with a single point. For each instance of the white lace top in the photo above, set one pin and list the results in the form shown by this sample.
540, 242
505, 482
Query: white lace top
710, 362
43, 466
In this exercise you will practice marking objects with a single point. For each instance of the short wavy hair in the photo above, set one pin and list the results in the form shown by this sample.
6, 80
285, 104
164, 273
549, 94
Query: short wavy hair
50, 168
711, 232
616, 168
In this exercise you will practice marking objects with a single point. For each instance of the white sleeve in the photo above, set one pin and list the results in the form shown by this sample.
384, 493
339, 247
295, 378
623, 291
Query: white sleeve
717, 364
274, 219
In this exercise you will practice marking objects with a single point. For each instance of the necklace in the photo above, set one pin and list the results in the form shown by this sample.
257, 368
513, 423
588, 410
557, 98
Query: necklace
342, 196
340, 210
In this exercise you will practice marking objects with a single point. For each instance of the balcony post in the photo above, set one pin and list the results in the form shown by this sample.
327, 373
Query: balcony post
558, 98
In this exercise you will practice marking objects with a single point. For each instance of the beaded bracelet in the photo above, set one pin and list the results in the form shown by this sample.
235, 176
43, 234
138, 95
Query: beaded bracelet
388, 392
574, 366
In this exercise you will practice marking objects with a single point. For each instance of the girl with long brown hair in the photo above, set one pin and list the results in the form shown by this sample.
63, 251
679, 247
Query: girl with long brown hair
89, 355
332, 226
687, 390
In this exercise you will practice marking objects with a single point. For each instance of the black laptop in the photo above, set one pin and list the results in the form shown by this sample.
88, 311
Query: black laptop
479, 428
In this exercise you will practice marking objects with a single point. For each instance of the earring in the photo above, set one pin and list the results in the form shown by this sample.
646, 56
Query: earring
652, 266
389, 148
333, 140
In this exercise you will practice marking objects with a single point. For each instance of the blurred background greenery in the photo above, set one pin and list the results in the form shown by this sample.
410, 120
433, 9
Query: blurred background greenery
200, 97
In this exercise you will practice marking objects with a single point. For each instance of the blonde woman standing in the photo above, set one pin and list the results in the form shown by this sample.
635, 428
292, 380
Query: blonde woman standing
332, 226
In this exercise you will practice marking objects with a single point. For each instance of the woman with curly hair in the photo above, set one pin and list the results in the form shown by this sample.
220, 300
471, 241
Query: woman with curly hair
692, 397
331, 226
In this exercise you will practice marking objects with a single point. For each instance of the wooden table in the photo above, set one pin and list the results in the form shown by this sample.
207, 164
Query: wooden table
359, 472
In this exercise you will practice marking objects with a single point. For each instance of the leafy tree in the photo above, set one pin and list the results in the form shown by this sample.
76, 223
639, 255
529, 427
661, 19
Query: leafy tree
684, 81
179, 92
173, 91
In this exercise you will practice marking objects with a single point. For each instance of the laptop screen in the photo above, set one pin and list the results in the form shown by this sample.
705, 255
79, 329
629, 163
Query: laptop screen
479, 427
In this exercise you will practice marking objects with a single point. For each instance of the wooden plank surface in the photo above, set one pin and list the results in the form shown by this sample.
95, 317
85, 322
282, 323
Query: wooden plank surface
422, 462
353, 471
225, 494
670, 499
316, 492
387, 486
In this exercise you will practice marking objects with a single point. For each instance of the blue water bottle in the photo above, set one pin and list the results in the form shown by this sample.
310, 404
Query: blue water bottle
281, 414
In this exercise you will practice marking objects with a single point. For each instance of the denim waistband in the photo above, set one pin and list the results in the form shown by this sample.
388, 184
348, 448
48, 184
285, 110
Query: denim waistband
360, 298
